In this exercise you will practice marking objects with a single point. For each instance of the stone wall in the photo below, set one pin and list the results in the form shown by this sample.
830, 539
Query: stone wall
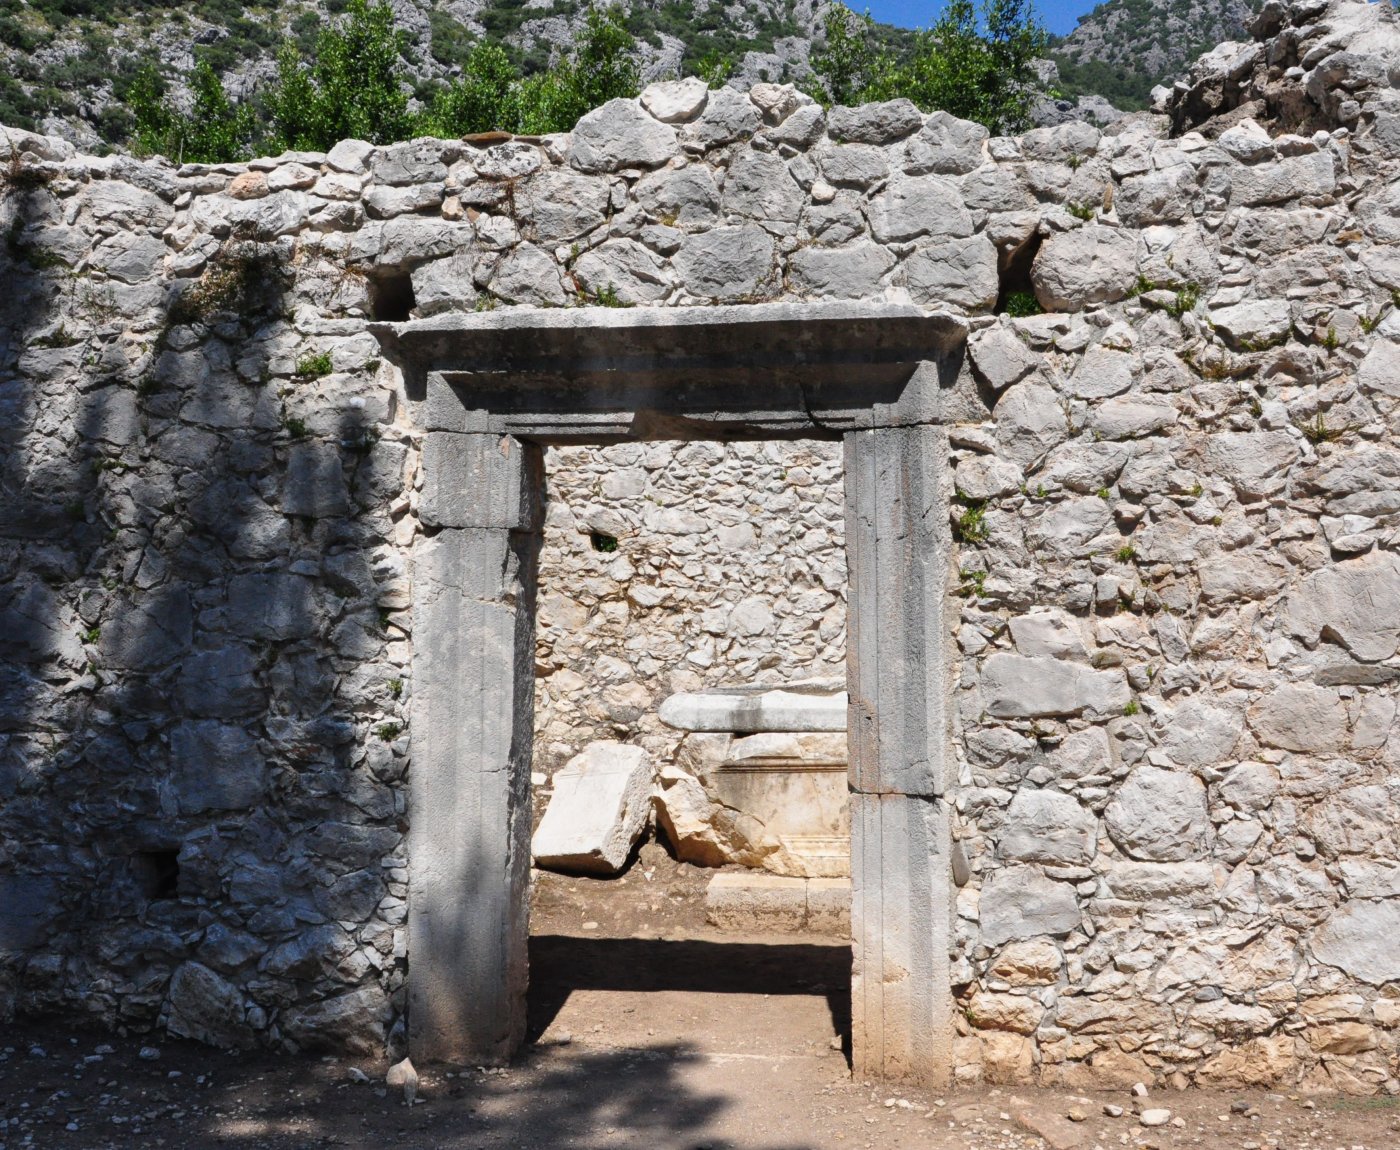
729, 568
1179, 579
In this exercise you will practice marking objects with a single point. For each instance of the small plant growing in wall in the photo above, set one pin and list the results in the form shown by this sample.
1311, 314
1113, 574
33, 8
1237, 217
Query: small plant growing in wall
1316, 431
1132, 707
972, 523
1126, 554
314, 366
1022, 304
1081, 211
388, 732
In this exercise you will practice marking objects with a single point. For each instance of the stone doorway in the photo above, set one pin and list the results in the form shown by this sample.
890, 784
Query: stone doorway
491, 391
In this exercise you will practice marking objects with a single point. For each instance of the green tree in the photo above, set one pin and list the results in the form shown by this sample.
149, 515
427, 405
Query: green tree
976, 68
484, 98
214, 130
974, 64
849, 63
350, 88
601, 67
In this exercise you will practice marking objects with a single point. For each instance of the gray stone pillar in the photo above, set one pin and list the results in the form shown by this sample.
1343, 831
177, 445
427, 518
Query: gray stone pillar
471, 724
897, 546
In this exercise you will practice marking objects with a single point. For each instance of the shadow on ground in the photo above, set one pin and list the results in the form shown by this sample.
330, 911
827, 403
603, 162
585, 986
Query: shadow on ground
561, 964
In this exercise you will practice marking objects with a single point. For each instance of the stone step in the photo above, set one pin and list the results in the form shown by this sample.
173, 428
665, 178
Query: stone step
755, 902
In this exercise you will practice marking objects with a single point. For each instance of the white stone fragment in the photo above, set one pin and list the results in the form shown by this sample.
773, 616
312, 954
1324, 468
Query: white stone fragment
676, 101
755, 710
597, 812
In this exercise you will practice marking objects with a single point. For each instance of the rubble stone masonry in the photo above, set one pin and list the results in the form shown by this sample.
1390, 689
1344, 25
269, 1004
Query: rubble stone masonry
1178, 758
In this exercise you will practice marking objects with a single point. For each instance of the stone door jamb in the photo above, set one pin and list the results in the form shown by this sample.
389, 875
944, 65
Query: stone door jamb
489, 391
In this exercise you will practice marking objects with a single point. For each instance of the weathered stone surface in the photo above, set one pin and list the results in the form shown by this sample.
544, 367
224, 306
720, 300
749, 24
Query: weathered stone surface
1252, 461
597, 812
528, 276
558, 205
851, 272
620, 134
1199, 734
1298, 717
1254, 325
675, 101
946, 145
1355, 604
874, 123
1048, 826
957, 273
912, 206
1020, 902
1159, 816
725, 263
1090, 265
1000, 357
208, 1008
353, 1022
217, 767
625, 268
756, 709
705, 832
1359, 938
1017, 687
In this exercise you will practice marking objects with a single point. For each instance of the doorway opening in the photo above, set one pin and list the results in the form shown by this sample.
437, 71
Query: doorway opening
691, 885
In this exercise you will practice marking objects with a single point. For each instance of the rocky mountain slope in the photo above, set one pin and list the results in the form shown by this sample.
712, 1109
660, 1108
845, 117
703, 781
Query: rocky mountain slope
1124, 47
66, 65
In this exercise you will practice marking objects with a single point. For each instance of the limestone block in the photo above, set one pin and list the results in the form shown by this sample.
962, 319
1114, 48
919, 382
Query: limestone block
955, 273
1300, 717
558, 205
598, 810
208, 1008
946, 144
985, 477
1162, 197
445, 284
1199, 734
1090, 265
1258, 1062
1131, 417
1162, 882
1019, 1013
725, 263
409, 162
1030, 962
852, 165
1014, 687
829, 906
1030, 422
216, 767
1288, 179
706, 832
882, 123
353, 1022
1000, 356
626, 268
759, 185
901, 1005
755, 709
1021, 902
1049, 827
1356, 602
1159, 816
851, 272
685, 197
511, 160
1049, 634
1252, 460
315, 482
528, 275
1255, 324
28, 905
912, 206
729, 115
675, 101
1250, 786
754, 902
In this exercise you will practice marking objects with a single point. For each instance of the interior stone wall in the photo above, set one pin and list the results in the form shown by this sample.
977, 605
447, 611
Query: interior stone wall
729, 568
1178, 493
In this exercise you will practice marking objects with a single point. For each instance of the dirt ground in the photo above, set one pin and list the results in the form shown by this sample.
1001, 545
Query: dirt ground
648, 1030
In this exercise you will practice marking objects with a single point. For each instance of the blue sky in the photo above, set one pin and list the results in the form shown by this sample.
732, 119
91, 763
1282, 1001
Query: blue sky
1059, 16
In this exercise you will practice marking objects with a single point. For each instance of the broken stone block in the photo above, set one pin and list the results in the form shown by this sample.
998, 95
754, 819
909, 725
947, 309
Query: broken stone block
706, 832
751, 709
598, 810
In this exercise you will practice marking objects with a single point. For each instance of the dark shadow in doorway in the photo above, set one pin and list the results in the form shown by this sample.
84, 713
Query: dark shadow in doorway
561, 964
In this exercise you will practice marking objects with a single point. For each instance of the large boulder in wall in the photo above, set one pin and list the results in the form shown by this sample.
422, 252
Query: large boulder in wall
599, 809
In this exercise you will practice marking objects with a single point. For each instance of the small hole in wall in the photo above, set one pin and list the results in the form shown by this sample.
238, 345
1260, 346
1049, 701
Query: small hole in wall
157, 873
391, 296
1017, 296
602, 542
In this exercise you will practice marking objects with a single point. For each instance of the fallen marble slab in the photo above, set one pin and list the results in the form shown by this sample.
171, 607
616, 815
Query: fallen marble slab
599, 809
